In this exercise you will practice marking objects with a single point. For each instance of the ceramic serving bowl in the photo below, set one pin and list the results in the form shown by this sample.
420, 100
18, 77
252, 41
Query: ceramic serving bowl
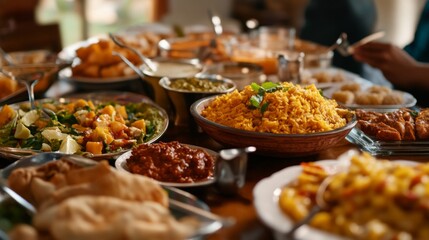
270, 144
191, 90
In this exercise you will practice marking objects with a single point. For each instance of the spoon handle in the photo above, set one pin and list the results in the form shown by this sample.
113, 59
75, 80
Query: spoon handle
290, 234
20, 200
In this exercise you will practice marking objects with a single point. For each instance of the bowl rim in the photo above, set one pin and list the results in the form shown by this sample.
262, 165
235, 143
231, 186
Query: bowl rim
256, 70
197, 116
164, 82
194, 62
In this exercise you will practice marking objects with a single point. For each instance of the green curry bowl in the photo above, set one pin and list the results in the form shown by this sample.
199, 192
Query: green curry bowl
183, 92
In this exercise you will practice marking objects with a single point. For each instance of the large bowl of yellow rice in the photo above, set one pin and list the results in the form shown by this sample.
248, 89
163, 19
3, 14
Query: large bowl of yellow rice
284, 119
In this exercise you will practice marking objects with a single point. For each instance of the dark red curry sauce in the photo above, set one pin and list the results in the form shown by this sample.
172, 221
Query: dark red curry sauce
171, 162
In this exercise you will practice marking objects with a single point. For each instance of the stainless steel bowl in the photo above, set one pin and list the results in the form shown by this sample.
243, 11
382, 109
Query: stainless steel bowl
183, 99
185, 68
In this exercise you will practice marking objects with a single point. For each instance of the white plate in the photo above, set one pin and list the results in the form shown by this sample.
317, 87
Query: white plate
121, 165
349, 77
409, 100
66, 74
266, 200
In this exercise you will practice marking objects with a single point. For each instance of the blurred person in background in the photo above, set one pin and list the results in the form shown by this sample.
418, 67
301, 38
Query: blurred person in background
407, 69
325, 20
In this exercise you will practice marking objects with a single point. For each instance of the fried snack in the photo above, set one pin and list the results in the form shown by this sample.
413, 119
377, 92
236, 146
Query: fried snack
101, 217
97, 60
352, 87
393, 98
422, 124
102, 180
22, 180
379, 89
368, 98
60, 180
23, 231
345, 97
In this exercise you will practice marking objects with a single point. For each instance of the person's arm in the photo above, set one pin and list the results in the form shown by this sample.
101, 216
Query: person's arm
396, 64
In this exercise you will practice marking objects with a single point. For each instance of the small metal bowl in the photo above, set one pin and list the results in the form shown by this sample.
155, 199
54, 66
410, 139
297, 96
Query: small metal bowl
241, 73
185, 68
182, 99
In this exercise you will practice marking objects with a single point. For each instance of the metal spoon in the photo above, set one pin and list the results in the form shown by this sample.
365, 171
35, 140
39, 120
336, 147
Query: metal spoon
343, 165
20, 200
29, 80
7, 57
148, 62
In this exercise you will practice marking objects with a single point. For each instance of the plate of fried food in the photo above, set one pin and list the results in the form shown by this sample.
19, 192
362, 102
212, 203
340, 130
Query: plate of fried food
363, 197
99, 125
65, 188
93, 62
171, 163
398, 132
370, 96
330, 77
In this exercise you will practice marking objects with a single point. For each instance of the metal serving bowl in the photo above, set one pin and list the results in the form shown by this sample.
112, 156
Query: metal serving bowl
182, 99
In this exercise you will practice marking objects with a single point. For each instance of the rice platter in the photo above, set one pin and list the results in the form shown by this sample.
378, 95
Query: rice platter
283, 108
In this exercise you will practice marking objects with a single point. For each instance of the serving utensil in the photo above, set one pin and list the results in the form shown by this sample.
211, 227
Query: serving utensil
206, 51
343, 46
148, 62
6, 57
15, 196
29, 80
321, 204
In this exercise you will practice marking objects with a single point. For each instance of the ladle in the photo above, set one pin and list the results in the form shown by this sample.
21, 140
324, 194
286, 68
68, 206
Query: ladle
151, 65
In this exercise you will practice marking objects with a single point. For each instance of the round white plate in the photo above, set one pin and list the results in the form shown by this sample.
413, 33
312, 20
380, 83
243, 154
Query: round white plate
266, 200
409, 100
348, 77
66, 74
121, 165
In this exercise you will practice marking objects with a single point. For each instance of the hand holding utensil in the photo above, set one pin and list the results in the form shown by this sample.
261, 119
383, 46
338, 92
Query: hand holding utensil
343, 46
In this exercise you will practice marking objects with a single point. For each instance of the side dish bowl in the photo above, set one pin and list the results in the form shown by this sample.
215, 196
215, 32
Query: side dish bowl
270, 144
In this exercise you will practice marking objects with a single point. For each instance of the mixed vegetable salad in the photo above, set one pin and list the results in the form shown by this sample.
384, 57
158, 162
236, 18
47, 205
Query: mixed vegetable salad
78, 126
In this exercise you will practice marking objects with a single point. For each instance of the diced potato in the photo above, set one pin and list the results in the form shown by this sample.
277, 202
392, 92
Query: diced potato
30, 117
122, 111
109, 110
6, 114
94, 147
102, 134
22, 132
116, 127
140, 124
69, 146
81, 103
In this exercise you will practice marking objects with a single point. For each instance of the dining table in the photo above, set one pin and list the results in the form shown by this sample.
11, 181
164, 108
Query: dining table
240, 205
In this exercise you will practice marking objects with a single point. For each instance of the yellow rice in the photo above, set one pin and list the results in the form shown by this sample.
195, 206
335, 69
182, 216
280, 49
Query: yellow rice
295, 111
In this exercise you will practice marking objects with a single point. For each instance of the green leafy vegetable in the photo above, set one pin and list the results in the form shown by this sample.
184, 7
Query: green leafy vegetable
257, 99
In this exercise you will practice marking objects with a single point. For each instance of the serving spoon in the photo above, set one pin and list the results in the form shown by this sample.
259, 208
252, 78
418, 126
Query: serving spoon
15, 196
148, 62
321, 204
